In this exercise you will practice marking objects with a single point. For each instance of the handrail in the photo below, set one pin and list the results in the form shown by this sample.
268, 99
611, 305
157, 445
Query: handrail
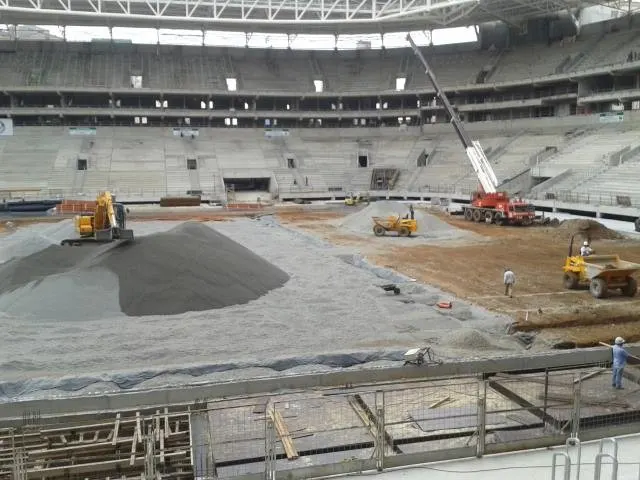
575, 442
566, 474
598, 467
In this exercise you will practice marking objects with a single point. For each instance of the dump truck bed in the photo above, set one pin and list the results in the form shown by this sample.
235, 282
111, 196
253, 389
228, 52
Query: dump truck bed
607, 266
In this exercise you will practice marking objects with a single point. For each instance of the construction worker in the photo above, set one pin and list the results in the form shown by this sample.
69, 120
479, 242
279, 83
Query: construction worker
411, 211
509, 282
585, 250
619, 361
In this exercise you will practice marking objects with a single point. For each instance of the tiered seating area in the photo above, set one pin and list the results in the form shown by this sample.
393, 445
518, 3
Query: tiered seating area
449, 166
100, 64
358, 72
451, 69
273, 70
27, 159
612, 49
533, 61
621, 180
586, 156
151, 162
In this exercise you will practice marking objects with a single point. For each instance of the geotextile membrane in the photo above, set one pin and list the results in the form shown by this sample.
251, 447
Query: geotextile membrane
189, 268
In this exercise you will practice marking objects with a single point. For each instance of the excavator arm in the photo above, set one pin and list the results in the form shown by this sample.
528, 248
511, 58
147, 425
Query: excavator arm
107, 223
475, 153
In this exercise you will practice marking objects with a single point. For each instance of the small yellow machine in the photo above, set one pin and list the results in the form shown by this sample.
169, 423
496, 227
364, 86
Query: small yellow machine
601, 272
403, 226
352, 200
108, 223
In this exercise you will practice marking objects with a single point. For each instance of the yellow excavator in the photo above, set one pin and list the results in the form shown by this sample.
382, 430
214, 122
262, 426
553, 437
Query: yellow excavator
352, 200
108, 223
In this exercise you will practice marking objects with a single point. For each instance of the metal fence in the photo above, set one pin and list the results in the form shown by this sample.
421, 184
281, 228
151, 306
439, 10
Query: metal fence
306, 435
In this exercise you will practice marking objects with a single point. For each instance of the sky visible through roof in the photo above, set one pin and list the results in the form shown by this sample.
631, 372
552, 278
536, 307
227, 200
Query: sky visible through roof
265, 40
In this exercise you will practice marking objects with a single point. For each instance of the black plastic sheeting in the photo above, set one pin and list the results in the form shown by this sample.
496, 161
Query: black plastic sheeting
9, 391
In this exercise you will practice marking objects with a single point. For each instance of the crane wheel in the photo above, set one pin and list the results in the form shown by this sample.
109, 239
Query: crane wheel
570, 281
598, 287
468, 214
631, 288
379, 231
499, 219
477, 215
404, 232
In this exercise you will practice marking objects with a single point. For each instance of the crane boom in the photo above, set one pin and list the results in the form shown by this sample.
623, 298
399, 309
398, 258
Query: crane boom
473, 149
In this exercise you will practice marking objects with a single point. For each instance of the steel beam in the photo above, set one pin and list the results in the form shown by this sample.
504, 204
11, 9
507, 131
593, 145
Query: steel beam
287, 16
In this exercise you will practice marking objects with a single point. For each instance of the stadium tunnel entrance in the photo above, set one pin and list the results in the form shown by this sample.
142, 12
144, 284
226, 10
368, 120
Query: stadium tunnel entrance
249, 189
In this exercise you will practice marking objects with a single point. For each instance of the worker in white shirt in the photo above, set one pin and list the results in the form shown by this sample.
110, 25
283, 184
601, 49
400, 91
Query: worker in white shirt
585, 250
509, 282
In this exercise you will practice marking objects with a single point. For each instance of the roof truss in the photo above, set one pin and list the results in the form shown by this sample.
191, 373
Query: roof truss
289, 16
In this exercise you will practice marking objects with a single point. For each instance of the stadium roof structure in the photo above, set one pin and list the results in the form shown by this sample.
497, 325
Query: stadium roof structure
281, 16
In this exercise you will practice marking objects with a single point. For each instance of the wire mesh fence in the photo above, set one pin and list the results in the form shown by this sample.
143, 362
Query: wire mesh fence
324, 430
351, 428
440, 415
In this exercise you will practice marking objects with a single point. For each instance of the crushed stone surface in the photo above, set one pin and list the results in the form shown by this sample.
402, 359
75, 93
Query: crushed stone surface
189, 268
331, 313
430, 228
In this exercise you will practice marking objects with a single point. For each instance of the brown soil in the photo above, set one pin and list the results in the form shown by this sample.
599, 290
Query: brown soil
535, 254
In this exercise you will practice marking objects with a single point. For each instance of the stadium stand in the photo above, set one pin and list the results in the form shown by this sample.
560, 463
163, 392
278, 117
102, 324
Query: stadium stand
153, 162
611, 49
149, 160
582, 158
621, 180
534, 61
100, 64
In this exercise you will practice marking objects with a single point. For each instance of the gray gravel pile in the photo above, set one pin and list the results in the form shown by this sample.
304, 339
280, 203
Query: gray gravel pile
189, 268
330, 313
429, 226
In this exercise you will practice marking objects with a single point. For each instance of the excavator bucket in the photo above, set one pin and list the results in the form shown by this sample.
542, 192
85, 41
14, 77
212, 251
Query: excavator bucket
125, 234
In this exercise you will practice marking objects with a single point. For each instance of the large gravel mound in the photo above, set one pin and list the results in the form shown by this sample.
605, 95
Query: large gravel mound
587, 229
189, 268
429, 226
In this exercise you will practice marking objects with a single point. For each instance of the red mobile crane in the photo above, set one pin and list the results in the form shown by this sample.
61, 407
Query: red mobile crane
487, 204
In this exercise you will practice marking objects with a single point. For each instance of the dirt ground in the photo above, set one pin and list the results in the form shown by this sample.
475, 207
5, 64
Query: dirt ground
474, 272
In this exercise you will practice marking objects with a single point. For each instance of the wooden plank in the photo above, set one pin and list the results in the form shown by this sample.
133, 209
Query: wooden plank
440, 402
162, 447
284, 434
115, 430
588, 376
94, 467
133, 448
167, 428
138, 427
157, 423
637, 359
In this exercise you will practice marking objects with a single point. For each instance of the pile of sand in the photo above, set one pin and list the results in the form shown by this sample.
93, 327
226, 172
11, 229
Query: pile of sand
585, 228
429, 226
469, 339
189, 268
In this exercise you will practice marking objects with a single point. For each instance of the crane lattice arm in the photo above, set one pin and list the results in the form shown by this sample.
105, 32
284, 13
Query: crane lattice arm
475, 153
